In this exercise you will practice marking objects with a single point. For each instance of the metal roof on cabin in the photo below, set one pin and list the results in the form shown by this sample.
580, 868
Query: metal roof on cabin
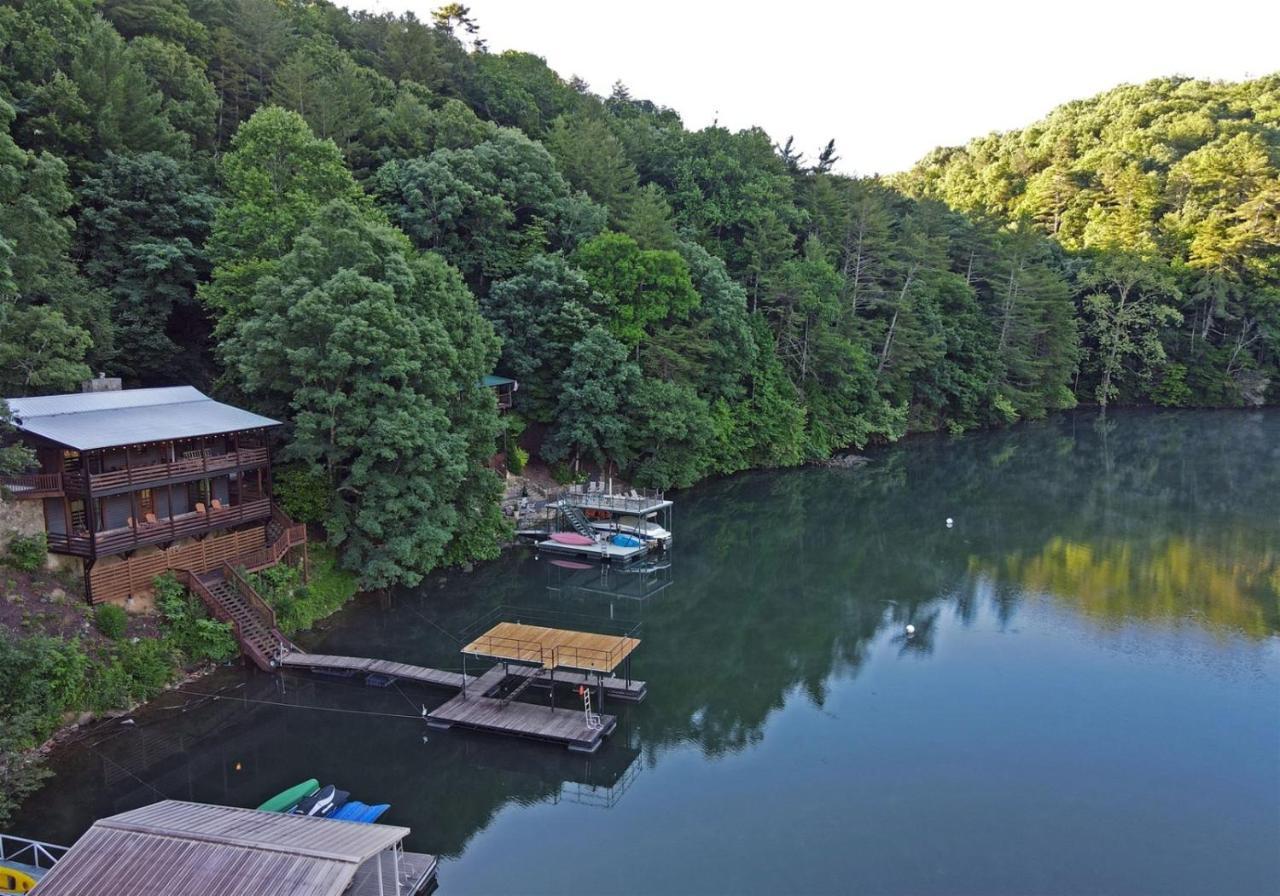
90, 420
175, 848
494, 380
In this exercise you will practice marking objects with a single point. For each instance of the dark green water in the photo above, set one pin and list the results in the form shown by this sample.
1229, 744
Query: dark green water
1091, 703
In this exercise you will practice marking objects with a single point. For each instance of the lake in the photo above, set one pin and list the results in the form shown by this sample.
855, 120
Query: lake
1090, 701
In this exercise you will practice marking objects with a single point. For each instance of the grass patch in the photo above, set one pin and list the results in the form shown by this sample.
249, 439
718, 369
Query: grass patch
299, 606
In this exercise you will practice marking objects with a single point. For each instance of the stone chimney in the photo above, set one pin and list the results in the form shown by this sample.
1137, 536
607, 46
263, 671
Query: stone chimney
101, 383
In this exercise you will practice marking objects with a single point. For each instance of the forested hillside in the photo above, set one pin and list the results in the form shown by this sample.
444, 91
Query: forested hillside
346, 220
1167, 196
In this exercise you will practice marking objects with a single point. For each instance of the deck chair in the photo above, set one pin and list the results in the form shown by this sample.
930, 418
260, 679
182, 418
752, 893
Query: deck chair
151, 518
129, 522
199, 507
217, 505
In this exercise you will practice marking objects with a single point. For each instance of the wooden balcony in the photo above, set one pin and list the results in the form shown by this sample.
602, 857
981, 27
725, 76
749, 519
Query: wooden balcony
33, 485
184, 525
197, 466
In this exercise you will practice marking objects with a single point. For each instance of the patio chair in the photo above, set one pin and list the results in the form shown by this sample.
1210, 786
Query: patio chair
217, 505
199, 507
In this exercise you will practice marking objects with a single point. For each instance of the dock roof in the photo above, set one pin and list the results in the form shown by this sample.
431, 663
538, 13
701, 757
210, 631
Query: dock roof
175, 848
89, 420
553, 648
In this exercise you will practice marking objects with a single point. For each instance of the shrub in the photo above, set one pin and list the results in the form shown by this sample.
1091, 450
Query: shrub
564, 474
148, 665
303, 493
27, 552
209, 639
171, 598
1172, 389
299, 605
187, 626
517, 457
111, 621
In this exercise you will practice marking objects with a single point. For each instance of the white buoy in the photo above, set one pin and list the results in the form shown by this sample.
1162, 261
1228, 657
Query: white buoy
950, 522
911, 630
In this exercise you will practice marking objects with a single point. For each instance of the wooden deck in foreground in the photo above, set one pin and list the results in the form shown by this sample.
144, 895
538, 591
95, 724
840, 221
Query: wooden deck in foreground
417, 871
484, 713
423, 675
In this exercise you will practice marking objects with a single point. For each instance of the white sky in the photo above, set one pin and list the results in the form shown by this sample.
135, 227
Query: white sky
888, 79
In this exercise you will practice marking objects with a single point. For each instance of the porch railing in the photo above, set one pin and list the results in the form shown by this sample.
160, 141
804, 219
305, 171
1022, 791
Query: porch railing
150, 474
113, 541
33, 485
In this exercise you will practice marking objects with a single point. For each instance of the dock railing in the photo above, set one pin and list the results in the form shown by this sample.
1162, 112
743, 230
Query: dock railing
30, 852
594, 496
516, 650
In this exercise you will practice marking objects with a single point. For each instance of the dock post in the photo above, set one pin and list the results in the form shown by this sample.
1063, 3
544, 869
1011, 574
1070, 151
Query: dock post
553, 689
464, 676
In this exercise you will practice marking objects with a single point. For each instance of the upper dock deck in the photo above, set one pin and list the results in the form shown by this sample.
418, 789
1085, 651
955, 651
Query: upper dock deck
553, 648
587, 498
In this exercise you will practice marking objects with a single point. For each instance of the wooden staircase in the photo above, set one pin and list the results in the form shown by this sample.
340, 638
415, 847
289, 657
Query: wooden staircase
230, 598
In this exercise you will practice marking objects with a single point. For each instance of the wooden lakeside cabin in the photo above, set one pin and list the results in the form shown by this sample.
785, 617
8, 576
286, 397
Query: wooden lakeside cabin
135, 482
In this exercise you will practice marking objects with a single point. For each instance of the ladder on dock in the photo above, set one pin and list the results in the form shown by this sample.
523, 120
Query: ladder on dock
578, 520
592, 718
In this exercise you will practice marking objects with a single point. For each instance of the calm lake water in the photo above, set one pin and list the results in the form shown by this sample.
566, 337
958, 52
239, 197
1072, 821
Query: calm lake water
1091, 702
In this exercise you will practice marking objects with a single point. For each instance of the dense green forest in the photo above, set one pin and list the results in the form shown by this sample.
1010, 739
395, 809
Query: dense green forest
346, 219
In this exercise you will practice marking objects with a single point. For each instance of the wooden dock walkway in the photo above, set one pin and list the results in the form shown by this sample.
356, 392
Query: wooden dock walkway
423, 675
484, 713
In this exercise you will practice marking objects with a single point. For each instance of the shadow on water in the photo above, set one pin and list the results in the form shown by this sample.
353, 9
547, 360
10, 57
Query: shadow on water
780, 587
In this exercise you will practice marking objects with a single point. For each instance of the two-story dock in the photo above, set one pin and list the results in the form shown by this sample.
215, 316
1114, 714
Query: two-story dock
595, 523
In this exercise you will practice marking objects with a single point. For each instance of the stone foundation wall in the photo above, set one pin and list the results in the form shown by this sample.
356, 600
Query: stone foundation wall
19, 518
27, 518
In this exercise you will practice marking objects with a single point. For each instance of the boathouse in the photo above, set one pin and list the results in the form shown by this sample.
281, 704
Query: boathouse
136, 482
174, 848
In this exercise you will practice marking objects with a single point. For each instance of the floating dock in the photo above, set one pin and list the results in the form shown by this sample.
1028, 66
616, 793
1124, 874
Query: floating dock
476, 709
533, 655
546, 657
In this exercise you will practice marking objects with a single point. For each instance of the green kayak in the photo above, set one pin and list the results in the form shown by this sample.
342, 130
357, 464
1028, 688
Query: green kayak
287, 799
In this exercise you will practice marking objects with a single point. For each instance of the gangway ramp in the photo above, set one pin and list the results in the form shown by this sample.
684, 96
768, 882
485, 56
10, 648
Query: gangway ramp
423, 675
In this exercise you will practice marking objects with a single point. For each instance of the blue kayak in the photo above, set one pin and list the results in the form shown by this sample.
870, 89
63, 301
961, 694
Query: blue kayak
360, 812
626, 541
